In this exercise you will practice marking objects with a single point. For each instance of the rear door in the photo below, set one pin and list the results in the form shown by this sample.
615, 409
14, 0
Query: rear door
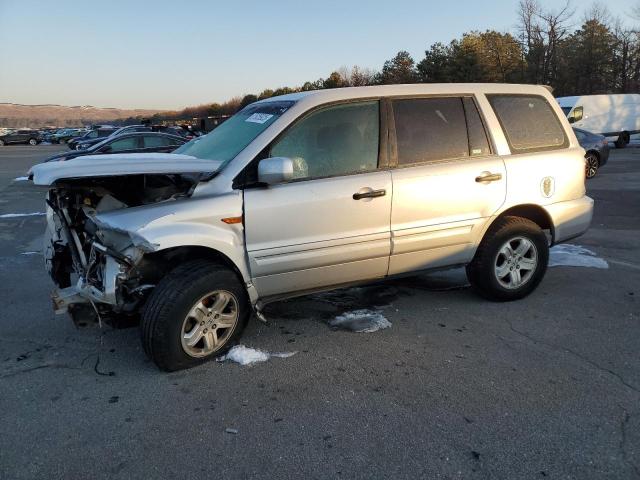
447, 182
331, 225
22, 136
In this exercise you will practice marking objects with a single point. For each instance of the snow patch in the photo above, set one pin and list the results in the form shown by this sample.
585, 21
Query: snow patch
574, 256
30, 253
361, 321
246, 355
15, 215
21, 179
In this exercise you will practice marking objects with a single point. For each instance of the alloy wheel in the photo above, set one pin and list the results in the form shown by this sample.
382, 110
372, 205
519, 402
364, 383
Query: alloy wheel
516, 262
209, 323
592, 165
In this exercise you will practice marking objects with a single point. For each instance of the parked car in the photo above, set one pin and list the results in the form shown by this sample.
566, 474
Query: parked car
97, 134
614, 116
64, 135
174, 130
47, 133
597, 150
84, 144
26, 136
313, 191
137, 142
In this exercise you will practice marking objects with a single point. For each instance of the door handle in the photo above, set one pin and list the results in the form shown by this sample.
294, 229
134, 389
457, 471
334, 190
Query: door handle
489, 177
371, 194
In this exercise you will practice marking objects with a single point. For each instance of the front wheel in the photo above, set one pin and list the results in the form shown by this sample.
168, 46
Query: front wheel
510, 261
194, 314
592, 164
1, 143
62, 141
33, 141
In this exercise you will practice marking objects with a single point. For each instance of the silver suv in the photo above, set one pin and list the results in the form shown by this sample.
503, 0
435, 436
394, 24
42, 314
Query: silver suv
313, 191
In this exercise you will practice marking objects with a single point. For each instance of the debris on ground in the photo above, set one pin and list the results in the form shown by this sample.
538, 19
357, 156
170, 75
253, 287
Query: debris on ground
568, 255
246, 355
361, 321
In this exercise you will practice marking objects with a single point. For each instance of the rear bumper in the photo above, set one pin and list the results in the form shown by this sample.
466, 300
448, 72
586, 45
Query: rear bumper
571, 218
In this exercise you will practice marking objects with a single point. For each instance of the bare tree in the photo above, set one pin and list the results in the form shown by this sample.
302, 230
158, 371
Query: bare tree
541, 32
556, 26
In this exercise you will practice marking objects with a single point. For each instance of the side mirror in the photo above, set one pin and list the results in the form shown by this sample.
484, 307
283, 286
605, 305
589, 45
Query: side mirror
275, 170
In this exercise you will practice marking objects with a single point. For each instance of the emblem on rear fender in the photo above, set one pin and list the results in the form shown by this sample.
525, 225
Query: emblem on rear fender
547, 186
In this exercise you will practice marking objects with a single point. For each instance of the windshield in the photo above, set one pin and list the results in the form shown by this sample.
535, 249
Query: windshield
230, 138
117, 132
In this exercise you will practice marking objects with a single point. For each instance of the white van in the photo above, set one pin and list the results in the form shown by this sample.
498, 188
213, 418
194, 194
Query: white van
614, 116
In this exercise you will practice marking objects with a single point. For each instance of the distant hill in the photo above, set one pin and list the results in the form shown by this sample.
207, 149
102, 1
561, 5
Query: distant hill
17, 115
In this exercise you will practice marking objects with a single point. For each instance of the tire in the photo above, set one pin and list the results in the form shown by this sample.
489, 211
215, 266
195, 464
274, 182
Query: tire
33, 142
2, 144
592, 161
623, 140
490, 259
167, 316
62, 141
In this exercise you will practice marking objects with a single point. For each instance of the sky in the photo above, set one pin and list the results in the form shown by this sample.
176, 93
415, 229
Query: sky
171, 54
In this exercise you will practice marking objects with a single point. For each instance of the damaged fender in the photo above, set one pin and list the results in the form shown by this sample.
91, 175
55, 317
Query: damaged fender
194, 223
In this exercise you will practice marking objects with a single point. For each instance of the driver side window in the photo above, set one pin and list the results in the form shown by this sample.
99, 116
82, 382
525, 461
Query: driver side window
336, 140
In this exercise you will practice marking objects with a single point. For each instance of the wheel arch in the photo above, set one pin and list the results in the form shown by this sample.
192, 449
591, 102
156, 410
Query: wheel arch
595, 152
535, 213
156, 264
170, 257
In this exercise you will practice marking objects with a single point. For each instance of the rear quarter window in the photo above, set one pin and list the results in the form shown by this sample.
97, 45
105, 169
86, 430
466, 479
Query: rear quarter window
529, 123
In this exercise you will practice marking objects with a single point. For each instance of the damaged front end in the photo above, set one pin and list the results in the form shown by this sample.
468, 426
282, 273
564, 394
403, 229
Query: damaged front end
100, 271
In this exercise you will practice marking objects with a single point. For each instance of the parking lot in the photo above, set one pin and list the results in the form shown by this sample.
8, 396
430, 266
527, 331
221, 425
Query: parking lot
546, 387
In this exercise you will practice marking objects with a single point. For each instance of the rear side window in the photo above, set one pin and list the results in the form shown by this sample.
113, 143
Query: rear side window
478, 141
429, 129
529, 123
124, 144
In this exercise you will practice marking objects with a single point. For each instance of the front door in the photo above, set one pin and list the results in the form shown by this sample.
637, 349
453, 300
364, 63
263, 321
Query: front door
447, 183
331, 225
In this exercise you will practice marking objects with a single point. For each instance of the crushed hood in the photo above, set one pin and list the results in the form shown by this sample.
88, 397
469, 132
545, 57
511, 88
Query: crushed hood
121, 164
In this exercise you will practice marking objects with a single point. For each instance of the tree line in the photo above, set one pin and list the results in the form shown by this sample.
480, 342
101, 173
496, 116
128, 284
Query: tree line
595, 54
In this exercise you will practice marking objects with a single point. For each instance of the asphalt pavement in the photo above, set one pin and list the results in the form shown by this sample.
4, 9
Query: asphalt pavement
458, 387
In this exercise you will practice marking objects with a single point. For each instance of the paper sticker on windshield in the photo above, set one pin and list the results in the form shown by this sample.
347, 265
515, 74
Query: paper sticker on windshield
259, 118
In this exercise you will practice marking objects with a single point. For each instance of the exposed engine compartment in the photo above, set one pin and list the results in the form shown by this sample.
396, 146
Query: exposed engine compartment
102, 262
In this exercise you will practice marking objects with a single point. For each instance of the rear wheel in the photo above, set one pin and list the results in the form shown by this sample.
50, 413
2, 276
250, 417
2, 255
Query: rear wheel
1, 143
194, 314
33, 141
510, 261
592, 164
62, 141
623, 140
